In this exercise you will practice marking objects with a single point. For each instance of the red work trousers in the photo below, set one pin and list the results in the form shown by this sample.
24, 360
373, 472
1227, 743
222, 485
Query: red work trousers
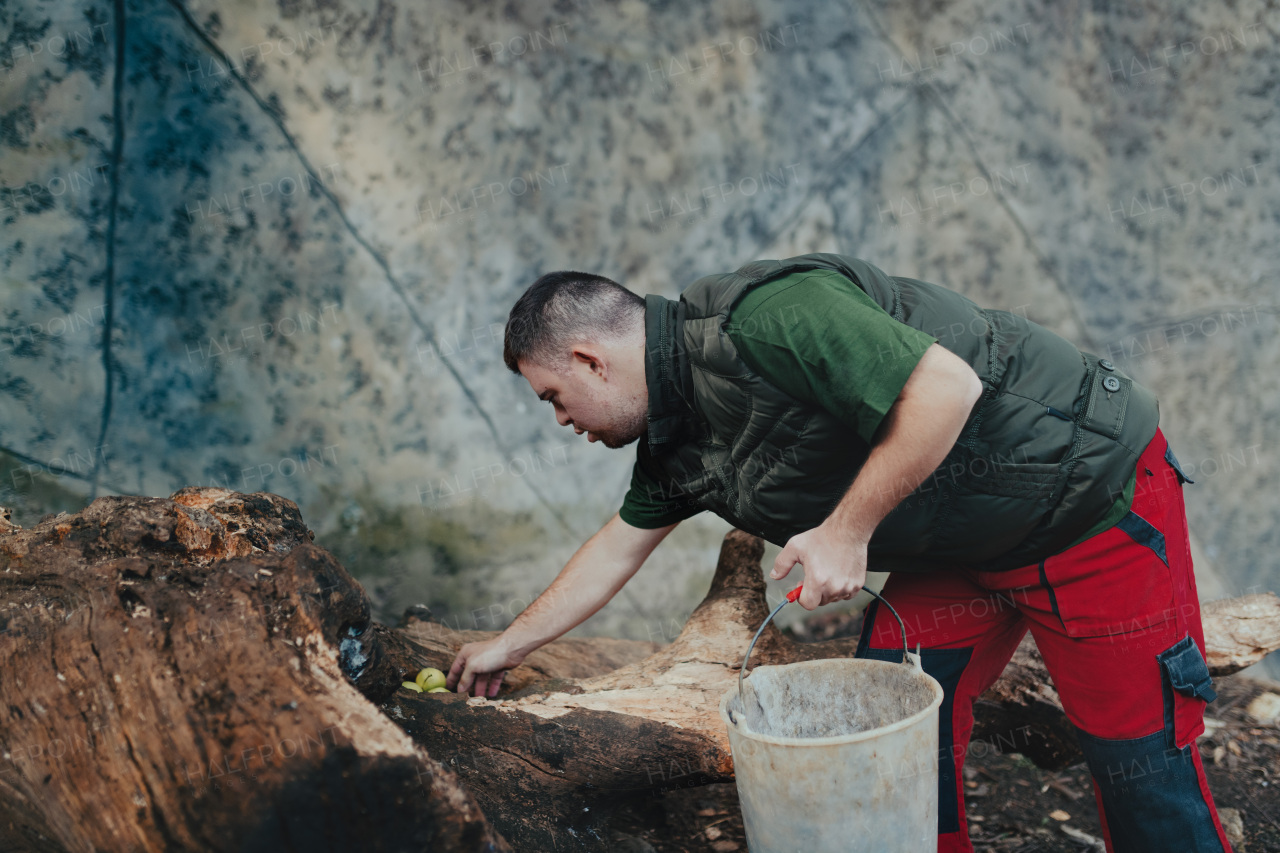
1117, 620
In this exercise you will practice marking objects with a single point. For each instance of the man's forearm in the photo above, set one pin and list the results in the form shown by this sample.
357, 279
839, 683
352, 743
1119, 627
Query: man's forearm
918, 432
592, 577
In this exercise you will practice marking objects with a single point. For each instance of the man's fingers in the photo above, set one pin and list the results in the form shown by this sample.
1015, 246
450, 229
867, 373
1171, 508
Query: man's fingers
466, 680
811, 597
494, 683
482, 684
783, 562
459, 664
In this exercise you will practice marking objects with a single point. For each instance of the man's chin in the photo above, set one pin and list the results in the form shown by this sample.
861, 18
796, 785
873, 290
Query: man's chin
614, 442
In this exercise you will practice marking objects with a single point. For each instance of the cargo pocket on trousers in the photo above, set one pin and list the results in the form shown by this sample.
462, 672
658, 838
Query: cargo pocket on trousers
1185, 672
1117, 582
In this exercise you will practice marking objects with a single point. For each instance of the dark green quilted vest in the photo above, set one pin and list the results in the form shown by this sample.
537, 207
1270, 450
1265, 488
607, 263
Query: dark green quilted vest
1044, 454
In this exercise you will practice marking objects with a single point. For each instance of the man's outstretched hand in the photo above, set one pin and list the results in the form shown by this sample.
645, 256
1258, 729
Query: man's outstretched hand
835, 566
480, 667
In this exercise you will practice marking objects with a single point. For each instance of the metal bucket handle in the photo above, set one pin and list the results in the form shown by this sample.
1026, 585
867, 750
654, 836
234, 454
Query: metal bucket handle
907, 657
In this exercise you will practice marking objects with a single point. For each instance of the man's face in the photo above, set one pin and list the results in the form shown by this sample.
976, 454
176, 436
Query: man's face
595, 394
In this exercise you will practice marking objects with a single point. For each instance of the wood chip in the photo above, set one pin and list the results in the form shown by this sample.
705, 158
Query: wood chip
1265, 708
1059, 814
1096, 844
1233, 824
1069, 793
712, 832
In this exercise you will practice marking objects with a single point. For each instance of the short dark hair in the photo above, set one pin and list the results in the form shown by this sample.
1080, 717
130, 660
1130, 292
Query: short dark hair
564, 306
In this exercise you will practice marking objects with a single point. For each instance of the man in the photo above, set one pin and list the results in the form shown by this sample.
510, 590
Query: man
1007, 479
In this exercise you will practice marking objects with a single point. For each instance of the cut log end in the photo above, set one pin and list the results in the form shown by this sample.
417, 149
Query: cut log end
1239, 632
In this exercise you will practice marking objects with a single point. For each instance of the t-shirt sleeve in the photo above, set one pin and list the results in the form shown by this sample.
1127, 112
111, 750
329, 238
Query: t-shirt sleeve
820, 338
649, 503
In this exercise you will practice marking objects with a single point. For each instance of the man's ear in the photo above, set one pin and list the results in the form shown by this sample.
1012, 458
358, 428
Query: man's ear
590, 357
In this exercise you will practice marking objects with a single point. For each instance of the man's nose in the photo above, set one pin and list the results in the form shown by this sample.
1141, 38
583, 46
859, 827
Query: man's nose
562, 418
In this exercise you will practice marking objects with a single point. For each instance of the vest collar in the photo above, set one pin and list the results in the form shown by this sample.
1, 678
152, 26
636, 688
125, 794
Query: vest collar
667, 374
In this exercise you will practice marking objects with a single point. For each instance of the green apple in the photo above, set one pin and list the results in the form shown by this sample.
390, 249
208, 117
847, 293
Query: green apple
411, 685
439, 690
430, 677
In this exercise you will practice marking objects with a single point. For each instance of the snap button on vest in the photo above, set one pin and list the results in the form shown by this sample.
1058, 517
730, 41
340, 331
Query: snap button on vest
1106, 364
1111, 383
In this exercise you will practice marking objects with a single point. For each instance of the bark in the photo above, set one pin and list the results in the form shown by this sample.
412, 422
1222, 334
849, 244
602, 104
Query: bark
181, 675
194, 674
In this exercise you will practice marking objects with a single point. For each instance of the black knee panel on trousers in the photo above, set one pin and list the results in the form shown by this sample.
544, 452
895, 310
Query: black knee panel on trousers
1150, 786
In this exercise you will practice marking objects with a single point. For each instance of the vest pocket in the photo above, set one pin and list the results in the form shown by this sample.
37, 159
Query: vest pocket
1108, 399
1034, 481
994, 505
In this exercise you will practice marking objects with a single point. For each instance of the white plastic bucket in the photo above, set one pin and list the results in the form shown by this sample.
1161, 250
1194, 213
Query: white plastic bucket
837, 756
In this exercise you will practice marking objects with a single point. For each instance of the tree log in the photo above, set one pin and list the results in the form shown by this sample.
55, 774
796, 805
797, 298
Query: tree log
1239, 632
178, 675
556, 743
194, 674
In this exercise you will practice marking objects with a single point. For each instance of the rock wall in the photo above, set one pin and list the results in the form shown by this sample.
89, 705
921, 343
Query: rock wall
272, 246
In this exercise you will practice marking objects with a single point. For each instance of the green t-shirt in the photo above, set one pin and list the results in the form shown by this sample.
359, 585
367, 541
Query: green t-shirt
816, 335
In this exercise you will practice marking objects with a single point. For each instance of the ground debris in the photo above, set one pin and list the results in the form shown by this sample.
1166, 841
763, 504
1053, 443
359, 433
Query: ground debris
1084, 839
